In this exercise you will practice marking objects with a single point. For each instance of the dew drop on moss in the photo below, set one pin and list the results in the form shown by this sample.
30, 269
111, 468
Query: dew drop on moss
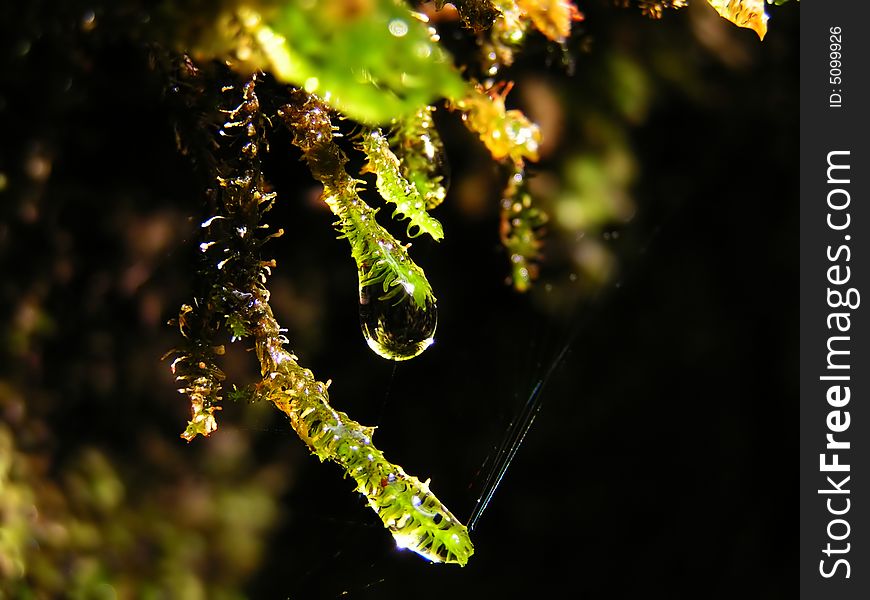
396, 328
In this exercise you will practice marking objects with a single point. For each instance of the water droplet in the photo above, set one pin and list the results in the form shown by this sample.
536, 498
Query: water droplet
398, 27
423, 50
311, 84
396, 328
89, 20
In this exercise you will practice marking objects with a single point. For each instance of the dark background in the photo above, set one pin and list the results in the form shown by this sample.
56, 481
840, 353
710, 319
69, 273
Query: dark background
659, 462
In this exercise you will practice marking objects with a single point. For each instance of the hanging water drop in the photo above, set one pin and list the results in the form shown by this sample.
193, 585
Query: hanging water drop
396, 328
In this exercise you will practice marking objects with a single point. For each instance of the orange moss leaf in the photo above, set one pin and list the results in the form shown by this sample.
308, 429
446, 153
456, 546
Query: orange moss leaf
743, 13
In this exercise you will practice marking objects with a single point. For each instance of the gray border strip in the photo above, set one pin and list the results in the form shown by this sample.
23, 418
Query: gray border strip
834, 340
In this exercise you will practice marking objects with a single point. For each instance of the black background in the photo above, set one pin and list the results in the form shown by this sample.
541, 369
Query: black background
662, 459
